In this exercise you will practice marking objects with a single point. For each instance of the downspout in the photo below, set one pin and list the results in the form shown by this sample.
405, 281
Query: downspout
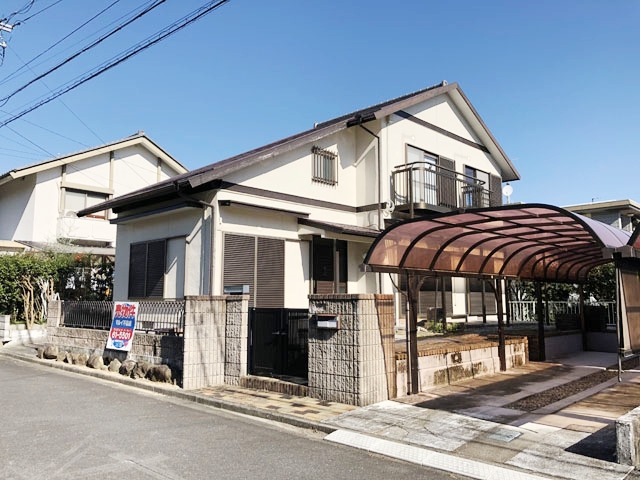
379, 173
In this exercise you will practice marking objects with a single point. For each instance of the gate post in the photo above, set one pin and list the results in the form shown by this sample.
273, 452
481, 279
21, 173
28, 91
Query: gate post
351, 355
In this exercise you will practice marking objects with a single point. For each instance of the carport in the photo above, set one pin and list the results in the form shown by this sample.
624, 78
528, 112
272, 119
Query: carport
537, 242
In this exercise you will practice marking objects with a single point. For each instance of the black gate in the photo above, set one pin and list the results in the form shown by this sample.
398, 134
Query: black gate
279, 341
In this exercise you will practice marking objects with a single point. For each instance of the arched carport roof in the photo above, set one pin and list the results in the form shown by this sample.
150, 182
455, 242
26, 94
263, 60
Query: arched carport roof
529, 241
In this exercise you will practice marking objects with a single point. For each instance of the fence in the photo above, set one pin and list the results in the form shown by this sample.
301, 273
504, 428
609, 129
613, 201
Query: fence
165, 317
526, 311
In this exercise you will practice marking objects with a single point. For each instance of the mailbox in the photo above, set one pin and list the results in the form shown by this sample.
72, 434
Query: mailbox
236, 290
327, 321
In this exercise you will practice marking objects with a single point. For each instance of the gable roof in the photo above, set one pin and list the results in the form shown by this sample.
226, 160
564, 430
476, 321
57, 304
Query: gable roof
216, 171
139, 138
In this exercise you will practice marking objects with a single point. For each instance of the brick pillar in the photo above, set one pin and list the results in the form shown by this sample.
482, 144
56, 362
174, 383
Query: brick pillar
349, 365
204, 341
237, 338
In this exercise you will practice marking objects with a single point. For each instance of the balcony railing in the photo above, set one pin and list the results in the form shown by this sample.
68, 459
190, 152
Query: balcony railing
425, 186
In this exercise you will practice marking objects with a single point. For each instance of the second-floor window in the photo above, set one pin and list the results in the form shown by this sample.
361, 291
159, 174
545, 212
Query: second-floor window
75, 200
325, 166
476, 192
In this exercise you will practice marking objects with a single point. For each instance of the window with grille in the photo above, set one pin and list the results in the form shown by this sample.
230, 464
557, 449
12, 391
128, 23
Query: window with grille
325, 166
146, 269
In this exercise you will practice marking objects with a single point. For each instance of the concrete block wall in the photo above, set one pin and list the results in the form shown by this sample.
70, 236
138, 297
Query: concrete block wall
448, 365
204, 341
628, 438
237, 338
348, 365
5, 328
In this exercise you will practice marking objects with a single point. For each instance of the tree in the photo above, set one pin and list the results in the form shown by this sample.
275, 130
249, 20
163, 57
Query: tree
30, 280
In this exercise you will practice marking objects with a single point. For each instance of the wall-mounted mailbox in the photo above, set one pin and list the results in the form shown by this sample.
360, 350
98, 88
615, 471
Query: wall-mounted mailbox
236, 290
327, 321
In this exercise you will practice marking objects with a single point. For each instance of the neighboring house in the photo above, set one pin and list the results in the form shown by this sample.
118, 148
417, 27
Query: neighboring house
297, 216
38, 203
622, 214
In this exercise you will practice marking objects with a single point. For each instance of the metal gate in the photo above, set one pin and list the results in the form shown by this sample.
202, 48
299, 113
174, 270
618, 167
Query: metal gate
279, 341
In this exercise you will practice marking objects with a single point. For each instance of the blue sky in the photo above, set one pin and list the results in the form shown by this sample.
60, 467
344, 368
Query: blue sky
555, 81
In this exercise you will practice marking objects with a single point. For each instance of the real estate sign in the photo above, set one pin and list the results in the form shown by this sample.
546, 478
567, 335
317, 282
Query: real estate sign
123, 326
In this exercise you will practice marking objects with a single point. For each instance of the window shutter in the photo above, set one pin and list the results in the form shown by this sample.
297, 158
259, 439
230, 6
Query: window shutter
495, 186
270, 273
137, 268
239, 262
155, 268
447, 184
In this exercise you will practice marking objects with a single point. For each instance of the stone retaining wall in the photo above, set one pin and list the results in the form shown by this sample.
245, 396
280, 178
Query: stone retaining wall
450, 364
212, 350
156, 349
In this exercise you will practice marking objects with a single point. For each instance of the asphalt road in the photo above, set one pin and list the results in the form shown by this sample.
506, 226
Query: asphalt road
56, 424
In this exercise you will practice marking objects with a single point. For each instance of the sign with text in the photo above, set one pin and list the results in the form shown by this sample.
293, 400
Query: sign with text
123, 325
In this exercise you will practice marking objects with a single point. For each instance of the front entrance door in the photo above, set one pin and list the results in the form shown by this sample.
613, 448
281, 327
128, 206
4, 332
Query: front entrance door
279, 342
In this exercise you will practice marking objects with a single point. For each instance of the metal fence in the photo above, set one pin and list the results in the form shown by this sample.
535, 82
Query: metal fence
163, 317
526, 311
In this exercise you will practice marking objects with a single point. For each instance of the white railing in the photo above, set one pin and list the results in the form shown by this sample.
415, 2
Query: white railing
526, 311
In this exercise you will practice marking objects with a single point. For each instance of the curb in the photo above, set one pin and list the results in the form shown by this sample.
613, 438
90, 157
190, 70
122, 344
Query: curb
175, 392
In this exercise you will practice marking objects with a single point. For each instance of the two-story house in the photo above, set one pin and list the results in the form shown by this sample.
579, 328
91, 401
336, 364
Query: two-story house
297, 216
622, 214
38, 203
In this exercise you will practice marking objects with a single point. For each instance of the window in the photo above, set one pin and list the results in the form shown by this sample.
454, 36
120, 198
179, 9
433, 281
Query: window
75, 200
259, 263
325, 166
433, 178
146, 269
476, 192
329, 263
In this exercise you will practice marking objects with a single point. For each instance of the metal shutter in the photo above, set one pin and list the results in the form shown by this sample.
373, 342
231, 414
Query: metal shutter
270, 273
239, 262
495, 187
137, 269
156, 254
447, 184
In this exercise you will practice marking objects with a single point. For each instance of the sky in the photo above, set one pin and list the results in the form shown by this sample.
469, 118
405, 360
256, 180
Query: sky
557, 82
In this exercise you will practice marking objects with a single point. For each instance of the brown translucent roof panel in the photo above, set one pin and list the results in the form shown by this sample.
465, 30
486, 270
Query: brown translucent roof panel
531, 241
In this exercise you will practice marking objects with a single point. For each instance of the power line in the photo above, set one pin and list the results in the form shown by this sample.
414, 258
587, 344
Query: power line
4, 100
63, 104
150, 41
12, 75
37, 13
30, 141
24, 9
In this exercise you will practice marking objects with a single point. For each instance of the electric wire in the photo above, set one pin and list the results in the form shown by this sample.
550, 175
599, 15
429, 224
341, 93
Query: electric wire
4, 100
30, 141
115, 61
37, 13
63, 103
13, 75
20, 11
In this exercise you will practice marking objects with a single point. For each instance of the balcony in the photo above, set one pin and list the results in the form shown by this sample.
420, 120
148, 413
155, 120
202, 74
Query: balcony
425, 187
85, 230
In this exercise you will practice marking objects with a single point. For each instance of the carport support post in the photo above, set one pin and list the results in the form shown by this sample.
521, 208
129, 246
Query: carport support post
583, 325
443, 297
501, 341
539, 307
413, 289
